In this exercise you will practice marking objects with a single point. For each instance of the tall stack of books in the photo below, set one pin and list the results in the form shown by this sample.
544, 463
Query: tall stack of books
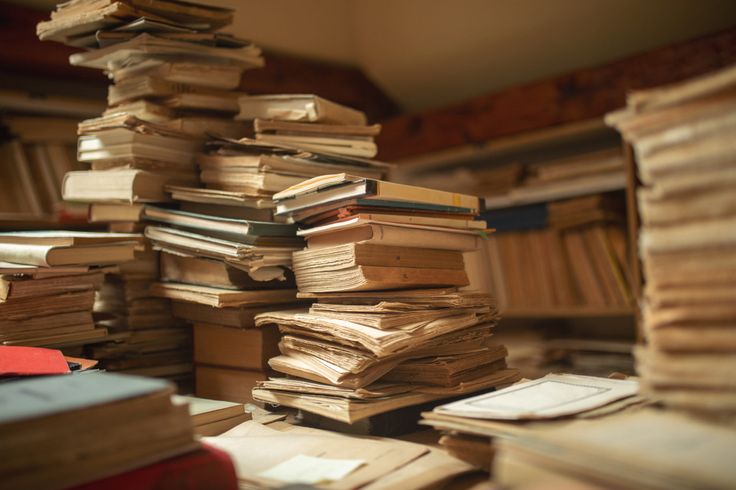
390, 327
683, 140
224, 257
175, 77
48, 281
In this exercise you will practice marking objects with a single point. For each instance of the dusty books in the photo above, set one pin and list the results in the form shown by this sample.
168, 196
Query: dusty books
353, 267
262, 168
352, 140
681, 135
328, 189
142, 424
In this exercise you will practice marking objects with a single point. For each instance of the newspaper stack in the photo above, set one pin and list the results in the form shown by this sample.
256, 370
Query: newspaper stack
683, 141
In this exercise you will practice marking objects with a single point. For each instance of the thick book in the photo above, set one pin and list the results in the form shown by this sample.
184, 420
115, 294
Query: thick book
341, 187
127, 185
239, 317
330, 259
298, 107
220, 298
219, 383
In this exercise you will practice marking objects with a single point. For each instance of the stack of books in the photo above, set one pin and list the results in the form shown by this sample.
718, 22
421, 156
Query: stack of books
175, 77
38, 418
219, 272
48, 281
225, 258
390, 327
683, 141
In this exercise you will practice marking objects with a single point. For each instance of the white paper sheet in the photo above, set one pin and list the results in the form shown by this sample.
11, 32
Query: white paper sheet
312, 470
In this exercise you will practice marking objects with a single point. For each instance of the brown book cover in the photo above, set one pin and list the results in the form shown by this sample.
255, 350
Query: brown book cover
235, 347
218, 383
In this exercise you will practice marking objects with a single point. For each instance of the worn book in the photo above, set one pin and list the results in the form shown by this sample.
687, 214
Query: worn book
235, 347
213, 273
298, 107
340, 187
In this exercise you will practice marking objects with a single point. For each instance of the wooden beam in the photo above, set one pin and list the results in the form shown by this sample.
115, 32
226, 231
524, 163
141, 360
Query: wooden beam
24, 55
576, 96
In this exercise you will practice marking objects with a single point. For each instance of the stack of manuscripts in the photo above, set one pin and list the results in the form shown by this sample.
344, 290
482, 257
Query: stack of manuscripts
48, 281
225, 259
174, 79
683, 139
390, 327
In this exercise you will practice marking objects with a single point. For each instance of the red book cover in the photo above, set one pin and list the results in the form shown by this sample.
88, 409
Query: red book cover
31, 361
207, 468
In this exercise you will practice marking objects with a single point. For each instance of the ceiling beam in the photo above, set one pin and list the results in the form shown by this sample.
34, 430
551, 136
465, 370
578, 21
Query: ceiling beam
575, 96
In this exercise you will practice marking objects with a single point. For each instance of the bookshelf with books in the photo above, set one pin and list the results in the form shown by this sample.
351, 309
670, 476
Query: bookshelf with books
560, 259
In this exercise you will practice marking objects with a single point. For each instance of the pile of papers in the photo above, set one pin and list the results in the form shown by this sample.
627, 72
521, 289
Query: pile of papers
39, 417
389, 327
48, 281
280, 454
682, 136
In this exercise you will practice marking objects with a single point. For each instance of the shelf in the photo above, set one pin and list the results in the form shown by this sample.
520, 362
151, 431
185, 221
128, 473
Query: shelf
564, 190
569, 312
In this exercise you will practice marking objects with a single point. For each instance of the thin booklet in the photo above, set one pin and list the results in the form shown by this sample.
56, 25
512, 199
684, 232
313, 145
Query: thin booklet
555, 395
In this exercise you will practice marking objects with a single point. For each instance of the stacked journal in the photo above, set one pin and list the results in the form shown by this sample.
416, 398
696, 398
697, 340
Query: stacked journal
683, 139
390, 327
48, 281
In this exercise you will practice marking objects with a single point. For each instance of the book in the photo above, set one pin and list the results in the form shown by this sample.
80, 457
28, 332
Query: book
234, 347
31, 361
238, 317
219, 383
337, 187
128, 185
143, 427
191, 72
298, 107
242, 231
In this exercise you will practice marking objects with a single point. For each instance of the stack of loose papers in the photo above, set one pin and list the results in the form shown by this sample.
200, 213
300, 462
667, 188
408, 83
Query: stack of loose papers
280, 454
683, 140
389, 327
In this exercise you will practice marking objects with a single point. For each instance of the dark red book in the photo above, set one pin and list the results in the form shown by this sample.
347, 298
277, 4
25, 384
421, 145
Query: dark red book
207, 468
31, 361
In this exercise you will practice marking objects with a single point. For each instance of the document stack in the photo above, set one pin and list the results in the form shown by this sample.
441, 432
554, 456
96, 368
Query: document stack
683, 140
175, 77
48, 281
390, 327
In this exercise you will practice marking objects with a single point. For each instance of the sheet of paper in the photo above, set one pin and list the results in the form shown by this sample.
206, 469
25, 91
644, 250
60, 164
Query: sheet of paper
552, 396
311, 470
